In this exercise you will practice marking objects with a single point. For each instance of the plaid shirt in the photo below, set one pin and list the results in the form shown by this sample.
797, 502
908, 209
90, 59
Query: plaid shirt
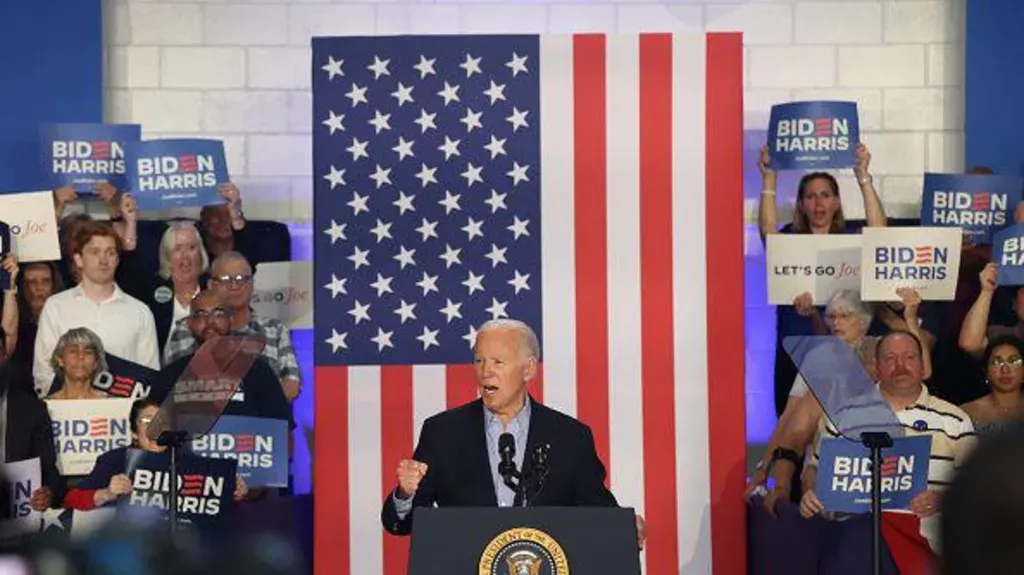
278, 351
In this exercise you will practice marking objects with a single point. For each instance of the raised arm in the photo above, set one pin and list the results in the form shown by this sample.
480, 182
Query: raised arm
9, 320
767, 213
973, 336
873, 210
911, 303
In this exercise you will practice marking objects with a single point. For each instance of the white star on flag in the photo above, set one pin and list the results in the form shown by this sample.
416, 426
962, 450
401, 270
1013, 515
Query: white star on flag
451, 310
382, 285
337, 341
517, 64
471, 120
427, 229
450, 147
426, 121
495, 92
474, 282
333, 68
472, 229
403, 94
357, 95
450, 256
360, 312
429, 337
497, 309
337, 286
518, 119
404, 257
379, 68
404, 203
358, 204
336, 177
472, 174
450, 202
518, 174
496, 201
405, 311
496, 255
382, 339
428, 283
403, 148
519, 282
334, 122
471, 66
358, 149
470, 336
496, 147
450, 94
381, 176
425, 67
518, 227
380, 121
359, 257
426, 175
381, 230
336, 231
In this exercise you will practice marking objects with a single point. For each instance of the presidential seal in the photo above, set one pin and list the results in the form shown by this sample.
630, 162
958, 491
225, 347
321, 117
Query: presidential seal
523, 551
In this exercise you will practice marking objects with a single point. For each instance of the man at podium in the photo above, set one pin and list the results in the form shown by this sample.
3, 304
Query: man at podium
503, 449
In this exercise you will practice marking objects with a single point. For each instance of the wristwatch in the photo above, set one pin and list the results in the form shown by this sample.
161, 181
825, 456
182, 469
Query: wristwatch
787, 454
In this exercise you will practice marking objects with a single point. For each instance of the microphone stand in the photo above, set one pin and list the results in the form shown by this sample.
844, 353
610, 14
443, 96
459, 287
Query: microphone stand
173, 440
876, 441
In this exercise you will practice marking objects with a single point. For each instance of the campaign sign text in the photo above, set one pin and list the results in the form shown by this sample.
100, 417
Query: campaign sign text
122, 379
21, 480
844, 473
259, 445
284, 291
979, 204
1008, 255
174, 173
926, 259
83, 155
84, 429
5, 248
32, 225
813, 135
205, 486
805, 263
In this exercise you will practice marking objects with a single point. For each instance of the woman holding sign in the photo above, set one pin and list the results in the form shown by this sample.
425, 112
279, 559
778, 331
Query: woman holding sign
109, 479
818, 210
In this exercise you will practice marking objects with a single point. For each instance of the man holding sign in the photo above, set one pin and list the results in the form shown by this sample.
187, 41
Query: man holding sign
901, 382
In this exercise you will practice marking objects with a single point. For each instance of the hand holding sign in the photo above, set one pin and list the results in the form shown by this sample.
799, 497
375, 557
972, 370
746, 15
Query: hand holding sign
810, 505
120, 484
804, 304
925, 504
41, 500
988, 277
861, 162
10, 268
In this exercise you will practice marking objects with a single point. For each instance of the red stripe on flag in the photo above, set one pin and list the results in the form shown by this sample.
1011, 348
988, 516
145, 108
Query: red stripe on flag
330, 443
460, 385
396, 432
591, 215
723, 191
657, 357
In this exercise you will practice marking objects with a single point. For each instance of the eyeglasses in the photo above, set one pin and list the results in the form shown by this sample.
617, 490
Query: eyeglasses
214, 313
145, 420
1000, 362
234, 280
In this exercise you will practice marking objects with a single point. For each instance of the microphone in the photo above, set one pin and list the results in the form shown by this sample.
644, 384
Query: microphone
507, 465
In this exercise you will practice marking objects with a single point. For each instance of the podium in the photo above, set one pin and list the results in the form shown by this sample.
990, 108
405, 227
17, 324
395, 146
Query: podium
530, 540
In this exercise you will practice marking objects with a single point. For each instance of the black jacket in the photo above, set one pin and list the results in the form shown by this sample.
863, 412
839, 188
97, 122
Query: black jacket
453, 445
30, 434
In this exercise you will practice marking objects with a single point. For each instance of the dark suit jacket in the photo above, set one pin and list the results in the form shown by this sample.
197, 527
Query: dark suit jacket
30, 434
453, 444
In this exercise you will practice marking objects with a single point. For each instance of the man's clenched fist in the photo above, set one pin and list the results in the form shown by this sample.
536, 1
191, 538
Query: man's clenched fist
410, 473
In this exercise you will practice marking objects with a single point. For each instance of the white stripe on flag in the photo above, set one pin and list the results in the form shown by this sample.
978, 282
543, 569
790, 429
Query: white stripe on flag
364, 476
557, 216
689, 278
429, 396
625, 406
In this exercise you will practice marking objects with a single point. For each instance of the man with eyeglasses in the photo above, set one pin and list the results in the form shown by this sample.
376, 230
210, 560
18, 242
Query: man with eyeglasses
231, 279
259, 394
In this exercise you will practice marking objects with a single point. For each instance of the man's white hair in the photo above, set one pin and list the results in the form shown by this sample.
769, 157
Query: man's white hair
529, 339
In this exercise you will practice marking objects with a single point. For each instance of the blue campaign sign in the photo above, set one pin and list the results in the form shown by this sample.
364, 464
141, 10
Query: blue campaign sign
980, 204
1008, 255
205, 486
259, 445
83, 155
844, 473
123, 379
5, 248
813, 135
166, 174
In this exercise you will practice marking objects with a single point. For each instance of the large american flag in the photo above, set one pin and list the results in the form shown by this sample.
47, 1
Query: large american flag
589, 185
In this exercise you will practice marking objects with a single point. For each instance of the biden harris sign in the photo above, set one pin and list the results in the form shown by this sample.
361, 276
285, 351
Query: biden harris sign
84, 429
979, 204
260, 446
1008, 255
167, 174
925, 259
83, 155
844, 473
813, 135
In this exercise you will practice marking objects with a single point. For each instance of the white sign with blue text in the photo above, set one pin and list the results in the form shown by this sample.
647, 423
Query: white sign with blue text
925, 259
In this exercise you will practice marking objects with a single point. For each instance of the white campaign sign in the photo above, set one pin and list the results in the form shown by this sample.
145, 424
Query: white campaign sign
33, 225
283, 290
84, 429
926, 259
22, 479
818, 264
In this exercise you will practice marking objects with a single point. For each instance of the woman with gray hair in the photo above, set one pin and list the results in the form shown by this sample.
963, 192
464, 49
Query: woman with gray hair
848, 318
182, 273
77, 359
